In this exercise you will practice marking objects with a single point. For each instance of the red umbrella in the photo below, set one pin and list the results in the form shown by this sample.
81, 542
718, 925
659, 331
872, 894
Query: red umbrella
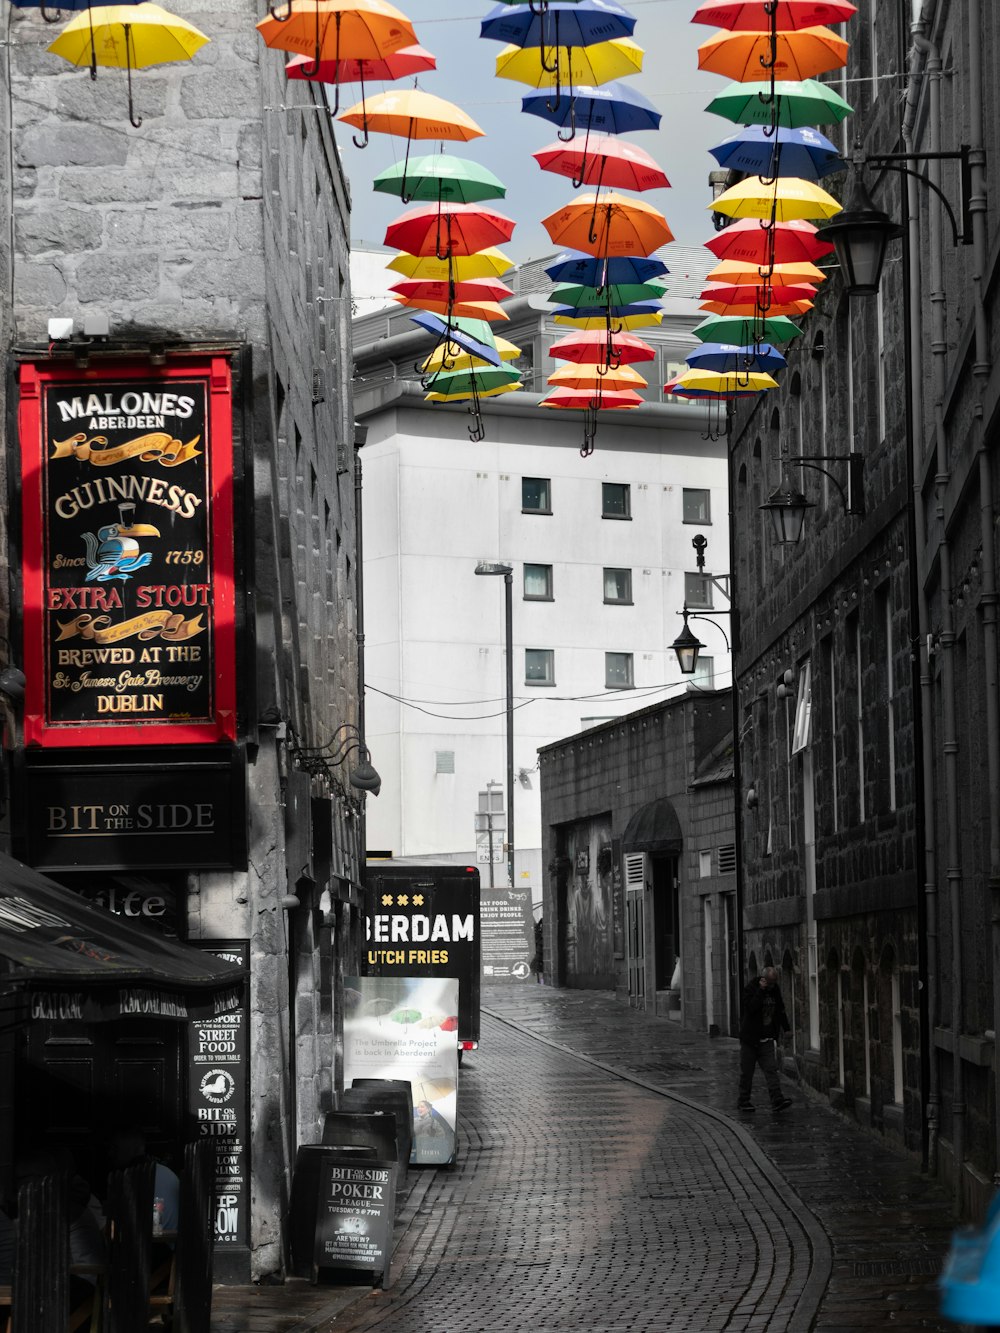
603, 159
591, 348
410, 60
786, 15
448, 229
733, 293
748, 240
595, 399
472, 289
751, 309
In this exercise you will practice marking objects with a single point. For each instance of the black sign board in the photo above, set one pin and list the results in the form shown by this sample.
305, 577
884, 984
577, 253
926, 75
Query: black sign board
355, 1207
154, 813
219, 1097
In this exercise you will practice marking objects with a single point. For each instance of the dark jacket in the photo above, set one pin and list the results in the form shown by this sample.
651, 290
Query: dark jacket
755, 997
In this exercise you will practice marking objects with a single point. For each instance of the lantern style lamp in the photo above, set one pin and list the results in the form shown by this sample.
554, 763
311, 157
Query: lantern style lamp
860, 234
787, 508
687, 648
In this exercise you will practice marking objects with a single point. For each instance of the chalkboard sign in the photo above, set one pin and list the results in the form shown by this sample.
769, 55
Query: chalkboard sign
355, 1207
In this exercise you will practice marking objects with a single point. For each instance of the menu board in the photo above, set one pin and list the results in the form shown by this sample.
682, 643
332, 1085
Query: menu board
507, 934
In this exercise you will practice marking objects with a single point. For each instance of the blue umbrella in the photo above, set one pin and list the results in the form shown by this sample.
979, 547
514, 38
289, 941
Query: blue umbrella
615, 311
587, 271
563, 23
613, 108
471, 335
725, 357
60, 7
757, 151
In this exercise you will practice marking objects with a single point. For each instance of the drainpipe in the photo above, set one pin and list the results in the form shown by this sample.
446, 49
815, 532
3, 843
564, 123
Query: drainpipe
924, 712
950, 744
988, 597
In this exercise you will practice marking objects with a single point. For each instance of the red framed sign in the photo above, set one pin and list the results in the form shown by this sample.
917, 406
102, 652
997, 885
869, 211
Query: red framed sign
127, 552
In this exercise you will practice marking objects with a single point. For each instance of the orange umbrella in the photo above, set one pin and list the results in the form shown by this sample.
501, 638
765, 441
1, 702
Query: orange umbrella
473, 289
749, 309
488, 310
590, 377
796, 55
410, 113
607, 225
338, 30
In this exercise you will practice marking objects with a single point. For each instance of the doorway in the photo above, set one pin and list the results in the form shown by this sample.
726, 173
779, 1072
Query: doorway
666, 920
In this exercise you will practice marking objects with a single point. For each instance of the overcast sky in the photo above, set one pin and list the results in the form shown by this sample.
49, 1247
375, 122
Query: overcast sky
465, 75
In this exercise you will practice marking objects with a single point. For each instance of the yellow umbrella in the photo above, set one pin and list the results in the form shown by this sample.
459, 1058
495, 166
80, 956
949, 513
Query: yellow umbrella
590, 65
626, 322
483, 393
587, 377
787, 199
127, 37
410, 113
489, 263
436, 360
738, 271
730, 381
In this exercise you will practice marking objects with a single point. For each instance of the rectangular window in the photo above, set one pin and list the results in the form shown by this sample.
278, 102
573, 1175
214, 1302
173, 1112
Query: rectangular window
704, 865
802, 731
618, 586
536, 496
616, 499
538, 583
697, 507
539, 666
618, 671
703, 676
698, 591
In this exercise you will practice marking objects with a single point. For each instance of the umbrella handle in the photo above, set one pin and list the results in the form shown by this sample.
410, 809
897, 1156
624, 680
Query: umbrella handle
135, 121
437, 238
583, 156
543, 6
49, 18
311, 73
565, 138
280, 18
549, 69
362, 143
404, 197
589, 430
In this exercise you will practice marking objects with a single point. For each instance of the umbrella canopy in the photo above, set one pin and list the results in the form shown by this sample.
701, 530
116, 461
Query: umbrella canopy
731, 329
599, 323
615, 294
751, 310
759, 15
722, 382
495, 392
408, 60
440, 177
726, 357
601, 400
127, 37
410, 113
614, 109
602, 159
465, 360
60, 6
679, 390
798, 55
488, 263
736, 270
795, 103
448, 229
563, 23
473, 289
732, 293
573, 65
465, 335
488, 310
786, 200
586, 270
591, 347
589, 377
756, 150
480, 379
337, 30
601, 311
786, 242
608, 225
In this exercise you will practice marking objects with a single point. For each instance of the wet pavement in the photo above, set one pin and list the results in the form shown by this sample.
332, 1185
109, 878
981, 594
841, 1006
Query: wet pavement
605, 1183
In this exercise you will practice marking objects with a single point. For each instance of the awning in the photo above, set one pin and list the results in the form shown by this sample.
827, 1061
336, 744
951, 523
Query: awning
653, 828
73, 960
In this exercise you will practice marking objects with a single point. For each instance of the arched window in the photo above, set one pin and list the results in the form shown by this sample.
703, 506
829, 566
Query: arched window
890, 1006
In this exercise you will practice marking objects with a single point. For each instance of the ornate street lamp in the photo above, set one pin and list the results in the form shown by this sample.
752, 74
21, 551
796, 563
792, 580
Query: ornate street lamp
787, 508
860, 234
687, 648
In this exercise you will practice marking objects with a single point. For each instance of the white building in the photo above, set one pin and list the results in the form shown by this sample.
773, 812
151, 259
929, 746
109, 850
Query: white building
602, 558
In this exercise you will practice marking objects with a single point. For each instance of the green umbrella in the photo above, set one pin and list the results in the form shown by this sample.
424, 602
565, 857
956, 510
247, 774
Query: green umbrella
618, 293
739, 332
799, 102
481, 380
440, 178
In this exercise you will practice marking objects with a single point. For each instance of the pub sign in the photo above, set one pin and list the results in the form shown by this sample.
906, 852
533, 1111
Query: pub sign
127, 552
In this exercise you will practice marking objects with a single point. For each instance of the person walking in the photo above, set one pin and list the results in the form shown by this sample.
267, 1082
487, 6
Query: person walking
762, 1022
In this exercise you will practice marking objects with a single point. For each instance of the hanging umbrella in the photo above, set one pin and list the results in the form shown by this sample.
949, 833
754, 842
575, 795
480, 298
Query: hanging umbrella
608, 225
441, 178
721, 382
752, 243
465, 335
615, 108
473, 289
602, 311
465, 360
408, 60
487, 310
488, 263
595, 272
405, 1017
599, 323
127, 37
785, 15
602, 400
496, 392
590, 65
797, 55
726, 357
615, 293
602, 159
785, 200
752, 310
710, 395
410, 114
448, 229
453, 384
564, 23
756, 150
589, 348
590, 377
60, 7
730, 329
736, 270
795, 103
336, 30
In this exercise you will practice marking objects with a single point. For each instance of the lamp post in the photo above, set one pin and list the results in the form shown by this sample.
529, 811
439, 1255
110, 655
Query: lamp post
498, 567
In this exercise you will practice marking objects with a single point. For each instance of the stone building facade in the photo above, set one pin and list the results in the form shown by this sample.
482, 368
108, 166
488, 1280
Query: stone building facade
639, 848
219, 228
866, 663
